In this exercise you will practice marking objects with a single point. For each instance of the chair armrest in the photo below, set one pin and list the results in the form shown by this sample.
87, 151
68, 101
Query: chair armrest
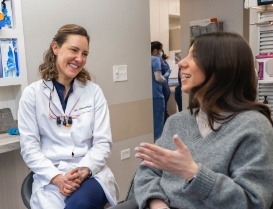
129, 204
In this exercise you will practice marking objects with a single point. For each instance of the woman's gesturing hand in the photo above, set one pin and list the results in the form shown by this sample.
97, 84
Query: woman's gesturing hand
179, 161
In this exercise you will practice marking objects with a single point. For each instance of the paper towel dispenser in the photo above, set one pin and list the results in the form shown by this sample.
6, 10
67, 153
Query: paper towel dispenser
199, 27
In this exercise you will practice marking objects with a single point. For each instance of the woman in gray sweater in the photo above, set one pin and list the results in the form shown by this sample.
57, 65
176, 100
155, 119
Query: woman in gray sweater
218, 154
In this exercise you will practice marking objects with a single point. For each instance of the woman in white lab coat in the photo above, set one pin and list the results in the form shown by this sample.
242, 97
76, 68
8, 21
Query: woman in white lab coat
65, 133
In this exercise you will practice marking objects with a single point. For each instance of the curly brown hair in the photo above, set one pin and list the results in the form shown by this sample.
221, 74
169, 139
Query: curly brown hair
47, 69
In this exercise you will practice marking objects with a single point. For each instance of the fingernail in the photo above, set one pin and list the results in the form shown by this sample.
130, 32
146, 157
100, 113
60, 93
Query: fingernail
137, 155
142, 144
137, 149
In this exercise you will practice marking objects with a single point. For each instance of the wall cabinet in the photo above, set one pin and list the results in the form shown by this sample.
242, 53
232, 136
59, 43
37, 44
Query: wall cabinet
165, 27
159, 22
12, 87
174, 7
163, 16
13, 168
261, 40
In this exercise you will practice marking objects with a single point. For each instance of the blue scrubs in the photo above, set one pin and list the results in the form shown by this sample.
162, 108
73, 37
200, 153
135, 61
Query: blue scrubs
89, 196
158, 99
165, 87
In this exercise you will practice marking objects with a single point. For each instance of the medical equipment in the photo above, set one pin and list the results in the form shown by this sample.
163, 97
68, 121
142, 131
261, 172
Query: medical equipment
66, 120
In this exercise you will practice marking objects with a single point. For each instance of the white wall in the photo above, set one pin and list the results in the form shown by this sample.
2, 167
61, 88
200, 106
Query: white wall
119, 33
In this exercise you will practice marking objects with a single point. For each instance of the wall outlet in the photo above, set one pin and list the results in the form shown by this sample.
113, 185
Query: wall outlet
124, 154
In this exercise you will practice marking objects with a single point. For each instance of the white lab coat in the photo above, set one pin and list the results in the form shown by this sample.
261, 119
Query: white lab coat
47, 147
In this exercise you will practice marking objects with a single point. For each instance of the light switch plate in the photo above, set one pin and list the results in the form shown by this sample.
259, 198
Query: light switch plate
120, 73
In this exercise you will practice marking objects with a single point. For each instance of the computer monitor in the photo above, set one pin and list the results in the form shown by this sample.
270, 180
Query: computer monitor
264, 2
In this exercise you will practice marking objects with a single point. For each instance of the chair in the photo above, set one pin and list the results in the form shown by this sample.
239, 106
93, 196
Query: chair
26, 189
130, 201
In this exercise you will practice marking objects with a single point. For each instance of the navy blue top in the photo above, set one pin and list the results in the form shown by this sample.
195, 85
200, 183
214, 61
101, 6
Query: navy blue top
60, 88
164, 66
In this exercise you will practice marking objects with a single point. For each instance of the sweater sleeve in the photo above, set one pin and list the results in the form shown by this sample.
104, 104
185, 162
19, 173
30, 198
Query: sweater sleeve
249, 184
147, 186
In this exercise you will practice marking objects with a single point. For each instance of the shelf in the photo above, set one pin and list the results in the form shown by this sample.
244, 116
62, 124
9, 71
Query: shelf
174, 15
9, 143
11, 87
265, 81
8, 33
11, 81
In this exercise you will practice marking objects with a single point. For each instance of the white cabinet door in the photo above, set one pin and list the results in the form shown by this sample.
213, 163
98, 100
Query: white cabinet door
159, 22
174, 7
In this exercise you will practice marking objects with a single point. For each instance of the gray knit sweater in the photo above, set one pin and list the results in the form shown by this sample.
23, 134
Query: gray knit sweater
235, 165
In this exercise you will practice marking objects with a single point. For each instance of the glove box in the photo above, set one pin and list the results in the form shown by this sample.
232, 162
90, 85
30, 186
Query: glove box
264, 65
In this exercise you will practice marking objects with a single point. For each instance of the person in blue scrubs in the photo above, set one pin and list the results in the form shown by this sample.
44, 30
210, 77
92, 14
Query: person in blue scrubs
157, 82
166, 71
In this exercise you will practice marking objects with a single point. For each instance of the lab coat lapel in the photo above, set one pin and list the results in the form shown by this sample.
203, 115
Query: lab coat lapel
55, 100
78, 89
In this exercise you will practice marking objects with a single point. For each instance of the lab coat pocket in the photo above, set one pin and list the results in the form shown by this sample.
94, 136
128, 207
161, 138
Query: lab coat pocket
84, 123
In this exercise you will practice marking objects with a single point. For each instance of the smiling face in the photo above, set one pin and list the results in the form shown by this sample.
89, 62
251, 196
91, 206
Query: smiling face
70, 57
191, 75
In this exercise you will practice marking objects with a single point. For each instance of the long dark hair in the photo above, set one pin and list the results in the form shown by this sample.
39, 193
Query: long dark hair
48, 69
230, 78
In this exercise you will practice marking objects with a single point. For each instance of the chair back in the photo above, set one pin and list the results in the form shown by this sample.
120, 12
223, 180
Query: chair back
26, 189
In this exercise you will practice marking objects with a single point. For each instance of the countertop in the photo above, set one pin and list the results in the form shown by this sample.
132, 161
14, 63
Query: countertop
173, 82
9, 142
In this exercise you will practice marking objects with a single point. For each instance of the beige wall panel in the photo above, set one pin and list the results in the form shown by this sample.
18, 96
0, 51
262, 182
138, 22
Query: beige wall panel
124, 170
131, 119
12, 173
